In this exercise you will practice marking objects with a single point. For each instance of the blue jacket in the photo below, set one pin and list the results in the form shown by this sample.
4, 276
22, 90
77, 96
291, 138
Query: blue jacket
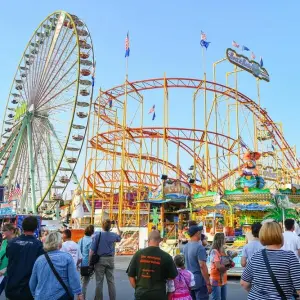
22, 252
43, 283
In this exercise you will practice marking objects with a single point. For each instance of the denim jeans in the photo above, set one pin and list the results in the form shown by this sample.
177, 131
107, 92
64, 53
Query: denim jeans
219, 292
200, 294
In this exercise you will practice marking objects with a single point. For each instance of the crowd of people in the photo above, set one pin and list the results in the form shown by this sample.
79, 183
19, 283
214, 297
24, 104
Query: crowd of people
50, 267
271, 261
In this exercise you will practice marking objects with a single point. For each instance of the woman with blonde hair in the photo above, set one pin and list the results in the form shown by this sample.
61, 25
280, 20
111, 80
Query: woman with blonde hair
271, 273
54, 274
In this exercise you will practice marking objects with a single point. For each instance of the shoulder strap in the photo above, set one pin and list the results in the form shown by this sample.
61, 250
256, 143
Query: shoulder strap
57, 275
98, 242
273, 277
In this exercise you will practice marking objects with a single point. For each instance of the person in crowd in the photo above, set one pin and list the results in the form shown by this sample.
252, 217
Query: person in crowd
104, 245
44, 284
149, 270
252, 246
8, 233
84, 246
22, 252
195, 257
290, 238
283, 265
45, 232
218, 271
179, 288
71, 247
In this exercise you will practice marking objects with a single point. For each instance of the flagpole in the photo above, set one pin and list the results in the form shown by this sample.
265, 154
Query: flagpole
205, 120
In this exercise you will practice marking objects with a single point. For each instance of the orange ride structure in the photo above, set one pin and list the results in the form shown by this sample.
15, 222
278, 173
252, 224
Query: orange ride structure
186, 153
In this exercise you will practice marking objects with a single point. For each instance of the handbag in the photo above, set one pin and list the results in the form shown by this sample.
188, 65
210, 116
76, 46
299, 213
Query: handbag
85, 270
95, 257
273, 277
71, 297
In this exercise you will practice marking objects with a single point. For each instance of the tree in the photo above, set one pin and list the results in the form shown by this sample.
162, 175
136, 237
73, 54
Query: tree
276, 212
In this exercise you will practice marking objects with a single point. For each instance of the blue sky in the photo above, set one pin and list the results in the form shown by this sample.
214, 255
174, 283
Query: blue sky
165, 38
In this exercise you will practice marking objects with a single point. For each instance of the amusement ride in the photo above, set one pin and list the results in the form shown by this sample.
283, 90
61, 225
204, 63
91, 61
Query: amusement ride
159, 152
47, 112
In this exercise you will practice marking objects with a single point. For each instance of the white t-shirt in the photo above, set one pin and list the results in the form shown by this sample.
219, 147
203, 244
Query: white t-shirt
291, 242
72, 248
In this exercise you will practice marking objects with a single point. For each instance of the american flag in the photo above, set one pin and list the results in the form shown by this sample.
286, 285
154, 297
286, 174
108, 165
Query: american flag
252, 56
15, 193
203, 36
235, 44
127, 46
152, 109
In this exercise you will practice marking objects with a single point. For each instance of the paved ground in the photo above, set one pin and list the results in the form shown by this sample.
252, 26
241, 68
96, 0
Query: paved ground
125, 292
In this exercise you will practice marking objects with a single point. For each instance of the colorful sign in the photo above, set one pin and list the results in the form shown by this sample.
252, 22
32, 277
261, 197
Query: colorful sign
250, 66
176, 189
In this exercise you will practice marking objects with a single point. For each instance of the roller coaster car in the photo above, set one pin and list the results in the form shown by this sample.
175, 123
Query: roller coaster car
14, 101
8, 129
11, 116
68, 24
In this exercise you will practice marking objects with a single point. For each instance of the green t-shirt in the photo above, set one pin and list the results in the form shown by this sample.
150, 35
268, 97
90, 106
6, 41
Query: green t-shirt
151, 267
3, 257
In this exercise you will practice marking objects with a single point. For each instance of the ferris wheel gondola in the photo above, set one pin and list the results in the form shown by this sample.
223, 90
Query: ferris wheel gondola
44, 110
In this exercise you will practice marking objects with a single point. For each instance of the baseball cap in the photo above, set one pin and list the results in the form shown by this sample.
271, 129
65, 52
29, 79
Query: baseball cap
194, 229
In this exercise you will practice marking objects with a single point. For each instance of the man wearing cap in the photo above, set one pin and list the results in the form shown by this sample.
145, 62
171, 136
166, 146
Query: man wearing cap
195, 257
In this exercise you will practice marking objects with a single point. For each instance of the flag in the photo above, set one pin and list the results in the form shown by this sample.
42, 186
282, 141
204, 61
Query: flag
245, 48
203, 41
235, 44
15, 193
93, 74
154, 116
261, 62
127, 46
152, 109
110, 103
252, 56
242, 143
203, 36
273, 145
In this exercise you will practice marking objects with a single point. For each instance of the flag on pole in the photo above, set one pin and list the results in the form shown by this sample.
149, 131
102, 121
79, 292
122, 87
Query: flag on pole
152, 109
261, 62
273, 145
242, 143
15, 193
203, 41
127, 46
245, 48
93, 74
235, 44
252, 56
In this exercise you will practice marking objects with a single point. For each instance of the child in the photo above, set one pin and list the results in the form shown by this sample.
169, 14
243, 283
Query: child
179, 288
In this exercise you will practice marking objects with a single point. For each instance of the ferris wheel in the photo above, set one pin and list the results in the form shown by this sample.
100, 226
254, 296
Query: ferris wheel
47, 111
